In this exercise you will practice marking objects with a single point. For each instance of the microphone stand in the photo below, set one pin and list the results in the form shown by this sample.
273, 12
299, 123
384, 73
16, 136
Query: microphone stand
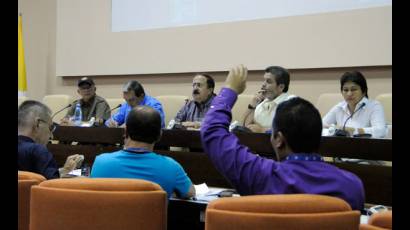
116, 107
342, 132
68, 106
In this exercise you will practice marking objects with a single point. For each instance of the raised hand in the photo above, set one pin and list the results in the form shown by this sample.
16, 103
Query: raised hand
236, 79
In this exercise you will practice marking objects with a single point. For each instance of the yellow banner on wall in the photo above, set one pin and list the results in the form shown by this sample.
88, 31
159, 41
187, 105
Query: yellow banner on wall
22, 81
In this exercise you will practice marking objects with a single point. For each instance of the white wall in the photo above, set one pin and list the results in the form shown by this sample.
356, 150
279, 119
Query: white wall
39, 37
40, 30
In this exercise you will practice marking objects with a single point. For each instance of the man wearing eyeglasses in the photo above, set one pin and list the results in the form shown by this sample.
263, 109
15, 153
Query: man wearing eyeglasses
92, 105
35, 128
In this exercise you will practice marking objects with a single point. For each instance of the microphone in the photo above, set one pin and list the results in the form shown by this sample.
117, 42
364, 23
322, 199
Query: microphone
116, 107
67, 106
342, 132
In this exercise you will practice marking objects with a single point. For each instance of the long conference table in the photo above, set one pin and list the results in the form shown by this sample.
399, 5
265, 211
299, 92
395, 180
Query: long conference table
377, 179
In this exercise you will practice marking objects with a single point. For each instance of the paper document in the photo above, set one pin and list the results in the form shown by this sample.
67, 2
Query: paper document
203, 193
364, 219
201, 189
86, 124
75, 172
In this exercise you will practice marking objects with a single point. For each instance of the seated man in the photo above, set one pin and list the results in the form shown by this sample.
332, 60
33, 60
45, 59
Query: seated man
192, 113
34, 130
92, 105
261, 110
296, 136
134, 94
137, 159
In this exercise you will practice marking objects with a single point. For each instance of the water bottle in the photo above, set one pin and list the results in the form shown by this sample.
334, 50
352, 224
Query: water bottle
171, 124
85, 170
78, 115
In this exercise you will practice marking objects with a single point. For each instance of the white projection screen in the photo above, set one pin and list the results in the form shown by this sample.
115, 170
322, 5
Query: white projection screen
129, 15
120, 37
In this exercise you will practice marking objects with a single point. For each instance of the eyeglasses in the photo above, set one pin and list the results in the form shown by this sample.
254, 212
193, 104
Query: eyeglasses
52, 127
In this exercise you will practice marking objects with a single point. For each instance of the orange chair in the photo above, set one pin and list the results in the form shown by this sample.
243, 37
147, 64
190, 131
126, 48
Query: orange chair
25, 181
296, 211
379, 221
98, 204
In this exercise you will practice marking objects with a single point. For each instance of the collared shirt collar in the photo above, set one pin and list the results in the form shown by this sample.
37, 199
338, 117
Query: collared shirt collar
206, 102
89, 102
267, 104
345, 106
143, 102
304, 157
281, 97
25, 138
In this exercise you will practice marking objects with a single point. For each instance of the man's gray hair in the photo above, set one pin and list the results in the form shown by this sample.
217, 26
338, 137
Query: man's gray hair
31, 109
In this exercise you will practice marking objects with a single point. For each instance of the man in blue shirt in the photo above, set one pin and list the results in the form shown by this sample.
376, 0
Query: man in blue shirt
35, 128
296, 136
134, 94
137, 159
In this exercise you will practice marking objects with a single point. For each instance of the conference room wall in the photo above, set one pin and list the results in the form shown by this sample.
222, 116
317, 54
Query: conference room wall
40, 30
86, 45
39, 39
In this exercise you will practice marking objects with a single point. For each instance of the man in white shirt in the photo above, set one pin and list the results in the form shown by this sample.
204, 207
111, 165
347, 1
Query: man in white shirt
357, 114
261, 110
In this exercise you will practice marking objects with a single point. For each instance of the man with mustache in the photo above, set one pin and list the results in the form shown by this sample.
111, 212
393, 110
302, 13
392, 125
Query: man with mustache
192, 113
261, 110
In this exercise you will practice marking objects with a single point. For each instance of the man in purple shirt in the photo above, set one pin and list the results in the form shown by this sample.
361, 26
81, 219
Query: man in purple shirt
296, 135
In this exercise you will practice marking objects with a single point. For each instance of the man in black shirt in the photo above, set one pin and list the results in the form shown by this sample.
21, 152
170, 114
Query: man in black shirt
35, 128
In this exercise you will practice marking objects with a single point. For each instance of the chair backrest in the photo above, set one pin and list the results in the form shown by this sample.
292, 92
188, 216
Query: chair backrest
240, 107
326, 101
56, 102
281, 212
25, 181
382, 219
171, 104
370, 227
386, 100
21, 99
97, 204
114, 102
389, 131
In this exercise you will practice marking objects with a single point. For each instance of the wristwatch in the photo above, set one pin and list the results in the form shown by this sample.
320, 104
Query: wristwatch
251, 107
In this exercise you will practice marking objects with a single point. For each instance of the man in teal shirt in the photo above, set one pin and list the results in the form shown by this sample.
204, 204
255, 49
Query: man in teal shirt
137, 159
